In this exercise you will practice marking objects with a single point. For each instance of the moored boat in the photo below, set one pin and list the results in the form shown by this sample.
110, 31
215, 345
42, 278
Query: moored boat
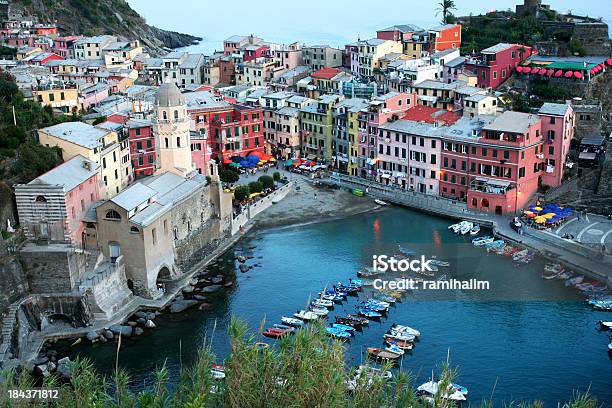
605, 325
218, 371
480, 241
306, 315
368, 313
320, 311
399, 336
345, 327
291, 321
380, 202
338, 333
475, 230
383, 354
289, 329
323, 303
275, 333
398, 328
400, 344
466, 228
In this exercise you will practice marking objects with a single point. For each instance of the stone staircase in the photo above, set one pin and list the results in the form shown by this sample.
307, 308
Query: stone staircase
7, 330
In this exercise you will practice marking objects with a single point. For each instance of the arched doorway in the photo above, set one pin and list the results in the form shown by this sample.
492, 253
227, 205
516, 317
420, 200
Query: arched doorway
484, 203
130, 285
474, 202
163, 276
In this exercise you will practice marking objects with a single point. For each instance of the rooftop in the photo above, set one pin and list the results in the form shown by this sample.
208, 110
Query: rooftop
555, 109
497, 48
79, 133
513, 122
205, 99
404, 28
134, 196
431, 84
326, 73
422, 113
69, 174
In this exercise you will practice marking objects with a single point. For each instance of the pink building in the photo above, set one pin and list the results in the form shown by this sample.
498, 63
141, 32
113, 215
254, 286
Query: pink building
251, 52
558, 131
52, 206
93, 94
64, 46
497, 63
142, 146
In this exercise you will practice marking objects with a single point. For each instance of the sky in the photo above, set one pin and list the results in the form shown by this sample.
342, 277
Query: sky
333, 22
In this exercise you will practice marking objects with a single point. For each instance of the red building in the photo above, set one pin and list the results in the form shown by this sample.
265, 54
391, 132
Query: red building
142, 146
251, 52
64, 46
400, 32
444, 37
495, 64
497, 169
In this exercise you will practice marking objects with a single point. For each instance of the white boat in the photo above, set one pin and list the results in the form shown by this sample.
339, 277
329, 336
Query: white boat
321, 311
457, 227
430, 388
394, 349
306, 315
291, 321
405, 329
520, 255
480, 241
323, 303
605, 325
399, 336
380, 202
475, 230
373, 372
438, 262
466, 228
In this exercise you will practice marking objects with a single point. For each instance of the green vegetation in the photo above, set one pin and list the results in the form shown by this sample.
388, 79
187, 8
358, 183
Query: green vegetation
28, 158
484, 31
99, 120
444, 8
303, 370
255, 187
266, 182
276, 176
241, 193
229, 176
7, 52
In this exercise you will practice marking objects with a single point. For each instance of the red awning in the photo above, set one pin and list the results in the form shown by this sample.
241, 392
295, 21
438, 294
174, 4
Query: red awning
550, 72
578, 74
609, 62
519, 69
526, 70
558, 73
568, 74
227, 161
542, 71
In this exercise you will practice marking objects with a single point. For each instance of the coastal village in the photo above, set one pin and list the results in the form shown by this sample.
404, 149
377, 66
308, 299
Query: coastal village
168, 158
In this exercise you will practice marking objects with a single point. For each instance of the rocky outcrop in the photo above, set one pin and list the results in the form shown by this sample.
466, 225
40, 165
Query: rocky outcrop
114, 17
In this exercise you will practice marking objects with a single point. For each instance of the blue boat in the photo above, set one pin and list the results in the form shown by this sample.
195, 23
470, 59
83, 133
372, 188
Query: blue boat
406, 251
368, 312
344, 327
337, 333
377, 307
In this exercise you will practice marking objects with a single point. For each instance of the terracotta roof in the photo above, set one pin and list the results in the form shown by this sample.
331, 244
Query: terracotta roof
326, 73
428, 114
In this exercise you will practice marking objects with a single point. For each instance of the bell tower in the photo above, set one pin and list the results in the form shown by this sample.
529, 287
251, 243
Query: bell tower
171, 130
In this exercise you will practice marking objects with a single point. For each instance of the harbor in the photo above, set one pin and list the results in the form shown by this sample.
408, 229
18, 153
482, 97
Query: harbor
521, 311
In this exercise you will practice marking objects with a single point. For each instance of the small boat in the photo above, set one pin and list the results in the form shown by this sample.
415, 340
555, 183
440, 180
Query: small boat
373, 372
460, 388
291, 321
380, 202
405, 329
217, 371
605, 325
406, 251
321, 311
564, 275
337, 333
400, 344
382, 353
394, 349
306, 315
373, 306
500, 243
574, 281
475, 230
601, 304
520, 254
368, 313
274, 333
346, 328
438, 262
430, 389
289, 329
399, 336
480, 241
352, 320
548, 275
323, 303
368, 271
379, 302
358, 192
466, 228
386, 298
457, 227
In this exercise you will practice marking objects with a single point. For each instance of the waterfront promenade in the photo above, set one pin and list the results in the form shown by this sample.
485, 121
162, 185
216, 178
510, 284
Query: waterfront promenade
582, 257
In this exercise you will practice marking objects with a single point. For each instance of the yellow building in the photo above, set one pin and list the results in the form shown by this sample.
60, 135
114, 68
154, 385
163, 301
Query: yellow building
58, 97
99, 145
120, 54
372, 50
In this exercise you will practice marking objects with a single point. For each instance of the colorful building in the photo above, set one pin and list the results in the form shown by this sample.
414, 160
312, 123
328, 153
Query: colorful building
142, 146
497, 63
558, 127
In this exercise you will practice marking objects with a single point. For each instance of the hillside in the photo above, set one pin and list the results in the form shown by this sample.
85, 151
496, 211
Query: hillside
93, 17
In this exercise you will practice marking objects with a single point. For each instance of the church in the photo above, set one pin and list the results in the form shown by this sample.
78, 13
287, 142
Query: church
159, 225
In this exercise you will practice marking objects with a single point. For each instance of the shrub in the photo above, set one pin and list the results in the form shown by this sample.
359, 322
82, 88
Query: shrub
255, 187
266, 182
276, 176
241, 193
228, 176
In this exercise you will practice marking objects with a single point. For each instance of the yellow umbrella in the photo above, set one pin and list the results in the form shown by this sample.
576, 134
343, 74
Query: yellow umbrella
527, 212
540, 220
537, 208
549, 215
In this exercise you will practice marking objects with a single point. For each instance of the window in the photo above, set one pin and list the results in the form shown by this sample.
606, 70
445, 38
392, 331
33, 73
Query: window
112, 215
134, 230
551, 150
154, 236
521, 172
178, 141
40, 199
484, 152
506, 154
166, 142
176, 115
552, 120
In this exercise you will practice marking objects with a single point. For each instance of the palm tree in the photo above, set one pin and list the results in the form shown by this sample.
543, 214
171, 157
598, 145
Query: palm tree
444, 7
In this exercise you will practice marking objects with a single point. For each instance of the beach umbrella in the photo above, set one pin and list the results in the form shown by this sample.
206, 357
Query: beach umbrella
540, 220
527, 212
255, 153
259, 163
532, 215
538, 209
272, 159
578, 74
558, 73
519, 69
609, 62
289, 162
568, 74
236, 159
549, 215
550, 72
542, 71
234, 164
526, 70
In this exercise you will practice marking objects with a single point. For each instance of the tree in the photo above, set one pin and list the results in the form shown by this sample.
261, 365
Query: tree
255, 187
99, 120
276, 176
241, 193
444, 8
228, 176
266, 182
34, 159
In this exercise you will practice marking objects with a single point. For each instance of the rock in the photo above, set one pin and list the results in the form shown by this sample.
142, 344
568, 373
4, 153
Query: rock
212, 288
180, 305
188, 289
149, 324
125, 331
92, 336
205, 306
51, 353
51, 366
151, 315
244, 268
217, 279
77, 341
102, 339
228, 284
132, 324
138, 331
140, 314
64, 368
193, 281
199, 298
108, 334
41, 360
141, 321
42, 370
241, 259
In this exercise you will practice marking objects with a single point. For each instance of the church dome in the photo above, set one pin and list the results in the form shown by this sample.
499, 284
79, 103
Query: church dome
168, 95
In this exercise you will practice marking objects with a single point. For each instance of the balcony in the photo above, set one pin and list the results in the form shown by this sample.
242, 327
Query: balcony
491, 186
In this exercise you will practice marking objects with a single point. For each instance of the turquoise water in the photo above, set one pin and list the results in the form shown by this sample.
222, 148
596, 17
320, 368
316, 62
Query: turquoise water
524, 338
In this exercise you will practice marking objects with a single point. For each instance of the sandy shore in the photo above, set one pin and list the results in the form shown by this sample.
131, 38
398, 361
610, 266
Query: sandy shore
307, 203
